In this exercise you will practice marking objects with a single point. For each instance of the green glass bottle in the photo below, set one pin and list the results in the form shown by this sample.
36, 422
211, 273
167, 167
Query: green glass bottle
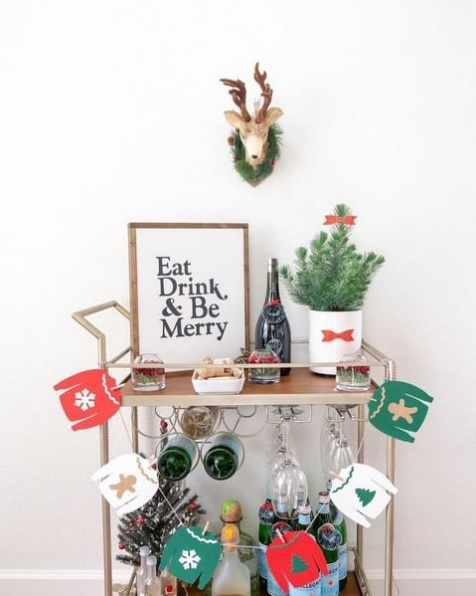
266, 519
178, 457
338, 520
272, 586
224, 456
328, 539
272, 327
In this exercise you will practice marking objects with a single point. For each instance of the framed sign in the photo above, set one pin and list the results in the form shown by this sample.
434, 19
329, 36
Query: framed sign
189, 290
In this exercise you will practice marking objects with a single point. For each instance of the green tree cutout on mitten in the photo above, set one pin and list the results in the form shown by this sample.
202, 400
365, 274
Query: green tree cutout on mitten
298, 564
365, 495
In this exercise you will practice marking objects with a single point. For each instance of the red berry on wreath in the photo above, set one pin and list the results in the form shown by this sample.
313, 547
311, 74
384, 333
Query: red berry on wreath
141, 520
121, 546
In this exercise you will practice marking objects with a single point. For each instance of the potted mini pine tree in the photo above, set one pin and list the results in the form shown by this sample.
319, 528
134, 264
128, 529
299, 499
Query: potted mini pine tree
332, 278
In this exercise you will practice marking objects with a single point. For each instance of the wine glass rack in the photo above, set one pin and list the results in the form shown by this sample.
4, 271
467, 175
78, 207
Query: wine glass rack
300, 388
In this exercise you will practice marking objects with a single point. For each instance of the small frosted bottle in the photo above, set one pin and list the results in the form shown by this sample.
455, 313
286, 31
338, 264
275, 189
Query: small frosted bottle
232, 513
144, 552
231, 577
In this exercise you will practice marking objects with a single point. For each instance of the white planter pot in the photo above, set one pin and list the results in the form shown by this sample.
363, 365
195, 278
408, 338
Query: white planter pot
332, 335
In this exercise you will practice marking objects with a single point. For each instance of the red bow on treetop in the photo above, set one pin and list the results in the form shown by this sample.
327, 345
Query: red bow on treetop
329, 335
334, 219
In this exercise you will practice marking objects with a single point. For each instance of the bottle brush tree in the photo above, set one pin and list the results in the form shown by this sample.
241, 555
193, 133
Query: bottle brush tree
152, 524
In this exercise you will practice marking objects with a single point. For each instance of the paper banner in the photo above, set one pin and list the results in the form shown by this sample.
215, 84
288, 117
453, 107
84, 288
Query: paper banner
191, 554
90, 398
127, 482
295, 558
360, 491
398, 409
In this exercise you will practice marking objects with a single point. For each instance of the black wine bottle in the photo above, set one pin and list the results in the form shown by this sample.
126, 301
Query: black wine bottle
272, 327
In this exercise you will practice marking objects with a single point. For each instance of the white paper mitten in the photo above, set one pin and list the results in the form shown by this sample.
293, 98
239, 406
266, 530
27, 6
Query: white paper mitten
127, 482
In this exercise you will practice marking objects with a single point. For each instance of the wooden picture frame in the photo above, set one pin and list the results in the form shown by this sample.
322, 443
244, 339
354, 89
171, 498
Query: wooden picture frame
189, 290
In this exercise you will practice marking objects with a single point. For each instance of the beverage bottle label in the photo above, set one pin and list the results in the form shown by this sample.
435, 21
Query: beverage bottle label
273, 312
273, 588
262, 561
330, 582
343, 561
312, 589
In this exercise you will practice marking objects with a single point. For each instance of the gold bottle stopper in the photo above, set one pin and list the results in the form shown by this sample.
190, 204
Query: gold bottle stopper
230, 537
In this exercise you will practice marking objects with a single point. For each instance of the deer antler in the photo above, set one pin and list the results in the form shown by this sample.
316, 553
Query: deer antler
238, 95
267, 93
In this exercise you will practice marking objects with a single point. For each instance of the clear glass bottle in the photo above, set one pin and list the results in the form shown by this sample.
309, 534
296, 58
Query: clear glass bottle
199, 422
141, 577
328, 539
178, 457
272, 327
231, 576
152, 583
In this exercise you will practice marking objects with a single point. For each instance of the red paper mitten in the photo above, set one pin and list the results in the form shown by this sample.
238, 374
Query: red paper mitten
298, 560
90, 398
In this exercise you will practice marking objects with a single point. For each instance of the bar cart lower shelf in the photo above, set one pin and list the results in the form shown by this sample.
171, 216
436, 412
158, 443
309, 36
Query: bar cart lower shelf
351, 588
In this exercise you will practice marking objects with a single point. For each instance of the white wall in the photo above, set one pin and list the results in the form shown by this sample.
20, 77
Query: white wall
112, 112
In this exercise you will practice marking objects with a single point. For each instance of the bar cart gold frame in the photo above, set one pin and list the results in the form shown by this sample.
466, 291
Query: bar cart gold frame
301, 388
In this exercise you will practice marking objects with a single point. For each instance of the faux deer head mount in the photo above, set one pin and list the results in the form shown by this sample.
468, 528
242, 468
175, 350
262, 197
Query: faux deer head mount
256, 141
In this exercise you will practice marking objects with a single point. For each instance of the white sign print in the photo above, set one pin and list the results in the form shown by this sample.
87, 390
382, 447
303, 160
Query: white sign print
189, 290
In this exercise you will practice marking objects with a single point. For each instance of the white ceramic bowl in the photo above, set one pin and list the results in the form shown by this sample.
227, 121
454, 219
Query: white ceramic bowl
218, 385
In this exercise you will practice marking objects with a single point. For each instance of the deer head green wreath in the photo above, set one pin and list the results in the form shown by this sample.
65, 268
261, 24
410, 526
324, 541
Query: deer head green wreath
256, 139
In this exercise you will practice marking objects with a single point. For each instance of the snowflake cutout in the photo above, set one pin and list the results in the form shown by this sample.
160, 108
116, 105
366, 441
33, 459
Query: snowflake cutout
84, 399
189, 559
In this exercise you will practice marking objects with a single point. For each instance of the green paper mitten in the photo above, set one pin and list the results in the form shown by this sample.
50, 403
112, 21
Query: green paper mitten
398, 409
